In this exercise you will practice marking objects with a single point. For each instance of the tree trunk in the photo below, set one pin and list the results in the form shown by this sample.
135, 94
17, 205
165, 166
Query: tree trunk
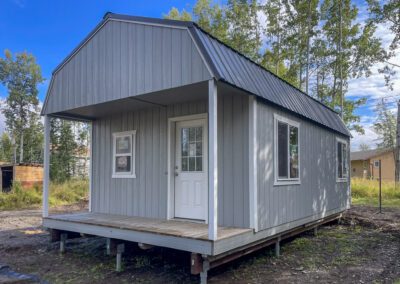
340, 59
21, 148
397, 150
308, 44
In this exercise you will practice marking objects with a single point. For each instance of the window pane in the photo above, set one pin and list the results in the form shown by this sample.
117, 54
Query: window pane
282, 150
192, 162
185, 164
192, 149
294, 152
192, 134
344, 160
123, 164
123, 144
199, 149
339, 160
199, 164
199, 134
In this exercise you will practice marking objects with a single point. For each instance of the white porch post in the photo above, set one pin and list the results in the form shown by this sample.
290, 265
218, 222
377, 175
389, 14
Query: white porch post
90, 165
212, 161
46, 168
253, 148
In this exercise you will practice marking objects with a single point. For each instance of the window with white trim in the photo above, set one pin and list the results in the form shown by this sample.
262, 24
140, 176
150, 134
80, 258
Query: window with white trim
376, 164
341, 160
124, 154
287, 162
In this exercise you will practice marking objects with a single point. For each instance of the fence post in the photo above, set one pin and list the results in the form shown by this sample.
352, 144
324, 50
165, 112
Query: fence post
380, 187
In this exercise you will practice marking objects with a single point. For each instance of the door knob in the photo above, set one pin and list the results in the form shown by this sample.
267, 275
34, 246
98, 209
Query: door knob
176, 174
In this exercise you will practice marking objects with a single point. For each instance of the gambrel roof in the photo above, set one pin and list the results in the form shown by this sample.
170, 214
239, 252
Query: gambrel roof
213, 58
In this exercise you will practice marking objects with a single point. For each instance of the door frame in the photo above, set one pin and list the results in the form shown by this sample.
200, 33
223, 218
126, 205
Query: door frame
171, 150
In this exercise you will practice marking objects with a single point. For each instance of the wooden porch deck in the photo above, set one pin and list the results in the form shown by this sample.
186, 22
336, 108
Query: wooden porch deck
175, 228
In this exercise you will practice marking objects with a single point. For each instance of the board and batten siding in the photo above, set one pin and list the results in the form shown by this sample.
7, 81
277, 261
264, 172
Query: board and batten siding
318, 192
126, 59
146, 195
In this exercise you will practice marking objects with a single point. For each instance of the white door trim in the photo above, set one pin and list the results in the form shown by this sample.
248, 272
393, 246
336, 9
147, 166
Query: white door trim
171, 160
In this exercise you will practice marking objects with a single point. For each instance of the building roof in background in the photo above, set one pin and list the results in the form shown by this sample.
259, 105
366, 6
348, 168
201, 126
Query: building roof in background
367, 154
230, 66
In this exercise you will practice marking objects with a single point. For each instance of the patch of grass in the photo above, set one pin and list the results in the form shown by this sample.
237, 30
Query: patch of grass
70, 192
366, 192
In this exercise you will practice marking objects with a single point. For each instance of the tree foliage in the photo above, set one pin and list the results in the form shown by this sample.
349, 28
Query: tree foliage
21, 75
317, 46
385, 126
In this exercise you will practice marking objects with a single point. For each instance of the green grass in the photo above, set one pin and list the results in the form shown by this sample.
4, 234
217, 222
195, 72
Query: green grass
72, 191
366, 192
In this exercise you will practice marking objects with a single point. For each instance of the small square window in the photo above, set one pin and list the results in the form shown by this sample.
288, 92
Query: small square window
376, 164
124, 154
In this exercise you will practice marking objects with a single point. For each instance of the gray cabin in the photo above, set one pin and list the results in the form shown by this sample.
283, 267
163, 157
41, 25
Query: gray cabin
194, 146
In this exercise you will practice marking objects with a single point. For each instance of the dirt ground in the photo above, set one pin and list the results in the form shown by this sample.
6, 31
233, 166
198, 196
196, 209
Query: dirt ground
363, 248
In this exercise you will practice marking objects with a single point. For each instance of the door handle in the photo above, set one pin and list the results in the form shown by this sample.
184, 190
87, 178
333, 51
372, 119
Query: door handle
176, 174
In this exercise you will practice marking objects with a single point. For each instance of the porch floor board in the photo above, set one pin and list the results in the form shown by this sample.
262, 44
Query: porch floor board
174, 228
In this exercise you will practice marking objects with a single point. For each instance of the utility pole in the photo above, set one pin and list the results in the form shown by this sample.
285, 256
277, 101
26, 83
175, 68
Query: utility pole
397, 150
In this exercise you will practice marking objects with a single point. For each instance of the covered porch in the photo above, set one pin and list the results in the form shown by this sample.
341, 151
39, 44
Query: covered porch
167, 231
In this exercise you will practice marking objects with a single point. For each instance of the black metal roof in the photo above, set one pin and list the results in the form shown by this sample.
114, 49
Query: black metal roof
234, 68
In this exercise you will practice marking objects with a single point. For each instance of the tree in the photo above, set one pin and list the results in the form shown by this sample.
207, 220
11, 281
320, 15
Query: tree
387, 12
174, 14
244, 33
63, 150
364, 147
6, 149
385, 126
21, 74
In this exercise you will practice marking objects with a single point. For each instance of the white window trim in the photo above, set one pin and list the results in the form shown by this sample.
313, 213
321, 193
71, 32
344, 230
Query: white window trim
344, 179
286, 181
133, 155
376, 161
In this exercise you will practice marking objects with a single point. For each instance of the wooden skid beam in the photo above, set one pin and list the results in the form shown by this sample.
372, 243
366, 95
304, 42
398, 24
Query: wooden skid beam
196, 260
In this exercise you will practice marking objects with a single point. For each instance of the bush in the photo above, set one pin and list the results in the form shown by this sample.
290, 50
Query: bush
72, 191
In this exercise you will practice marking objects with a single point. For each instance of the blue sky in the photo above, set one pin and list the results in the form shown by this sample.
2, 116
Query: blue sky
51, 29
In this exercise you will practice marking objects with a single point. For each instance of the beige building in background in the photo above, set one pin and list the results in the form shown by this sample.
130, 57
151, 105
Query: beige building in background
365, 164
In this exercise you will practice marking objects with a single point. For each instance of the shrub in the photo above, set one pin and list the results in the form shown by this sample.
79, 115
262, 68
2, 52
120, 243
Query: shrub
72, 191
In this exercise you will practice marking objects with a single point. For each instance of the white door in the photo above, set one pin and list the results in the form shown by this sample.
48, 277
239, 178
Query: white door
191, 170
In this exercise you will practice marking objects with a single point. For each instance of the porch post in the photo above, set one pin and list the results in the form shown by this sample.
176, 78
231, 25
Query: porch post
212, 161
46, 166
90, 165
253, 149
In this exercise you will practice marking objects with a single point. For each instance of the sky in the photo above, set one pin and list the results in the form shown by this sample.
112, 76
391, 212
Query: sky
51, 29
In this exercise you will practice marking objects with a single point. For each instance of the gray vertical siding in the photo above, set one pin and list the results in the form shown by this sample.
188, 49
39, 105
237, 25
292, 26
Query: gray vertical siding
146, 195
126, 59
233, 160
318, 191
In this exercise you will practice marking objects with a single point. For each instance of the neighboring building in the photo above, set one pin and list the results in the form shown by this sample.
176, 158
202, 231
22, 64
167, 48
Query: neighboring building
27, 174
194, 146
365, 164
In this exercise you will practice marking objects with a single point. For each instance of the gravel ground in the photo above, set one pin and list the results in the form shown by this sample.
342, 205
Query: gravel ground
364, 248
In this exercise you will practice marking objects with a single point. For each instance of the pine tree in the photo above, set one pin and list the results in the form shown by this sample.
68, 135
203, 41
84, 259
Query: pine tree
6, 149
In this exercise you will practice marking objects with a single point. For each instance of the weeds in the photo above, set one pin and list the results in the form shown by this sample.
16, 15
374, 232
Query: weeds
366, 192
72, 191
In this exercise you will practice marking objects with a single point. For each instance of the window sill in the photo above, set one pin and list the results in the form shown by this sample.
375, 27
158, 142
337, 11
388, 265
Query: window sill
123, 176
341, 180
287, 182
